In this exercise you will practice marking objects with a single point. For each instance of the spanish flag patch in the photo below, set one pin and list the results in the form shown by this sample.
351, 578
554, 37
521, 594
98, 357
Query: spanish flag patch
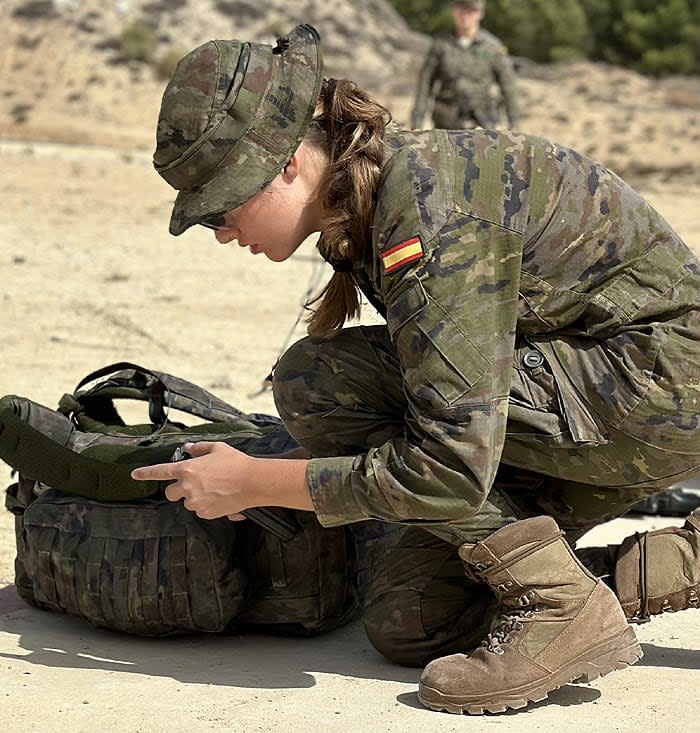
408, 251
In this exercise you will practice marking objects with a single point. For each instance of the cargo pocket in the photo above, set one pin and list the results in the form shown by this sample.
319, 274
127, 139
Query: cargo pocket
300, 587
544, 404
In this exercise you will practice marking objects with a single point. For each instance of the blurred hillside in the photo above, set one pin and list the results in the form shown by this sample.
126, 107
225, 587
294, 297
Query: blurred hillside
64, 77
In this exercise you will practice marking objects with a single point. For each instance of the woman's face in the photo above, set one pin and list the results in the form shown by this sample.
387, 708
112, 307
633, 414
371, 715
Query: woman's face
276, 220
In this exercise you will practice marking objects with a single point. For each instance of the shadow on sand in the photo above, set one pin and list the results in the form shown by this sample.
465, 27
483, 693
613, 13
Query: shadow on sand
250, 661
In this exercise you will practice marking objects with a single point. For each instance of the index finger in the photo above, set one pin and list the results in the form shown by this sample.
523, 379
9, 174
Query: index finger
157, 472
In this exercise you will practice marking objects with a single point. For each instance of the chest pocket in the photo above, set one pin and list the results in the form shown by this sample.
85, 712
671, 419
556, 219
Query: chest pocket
450, 67
439, 362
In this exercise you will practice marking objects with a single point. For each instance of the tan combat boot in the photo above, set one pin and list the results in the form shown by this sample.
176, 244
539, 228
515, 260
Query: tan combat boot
559, 624
659, 571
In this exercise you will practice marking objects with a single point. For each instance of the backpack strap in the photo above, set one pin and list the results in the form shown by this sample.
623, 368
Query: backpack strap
95, 394
36, 442
122, 380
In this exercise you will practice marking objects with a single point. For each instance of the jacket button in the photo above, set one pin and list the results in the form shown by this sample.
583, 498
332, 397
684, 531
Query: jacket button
533, 359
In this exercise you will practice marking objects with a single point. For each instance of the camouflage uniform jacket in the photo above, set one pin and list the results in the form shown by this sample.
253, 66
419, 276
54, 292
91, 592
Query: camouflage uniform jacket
483, 242
458, 80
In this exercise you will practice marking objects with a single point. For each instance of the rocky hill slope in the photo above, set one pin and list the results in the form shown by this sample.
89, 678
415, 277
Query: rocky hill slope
63, 77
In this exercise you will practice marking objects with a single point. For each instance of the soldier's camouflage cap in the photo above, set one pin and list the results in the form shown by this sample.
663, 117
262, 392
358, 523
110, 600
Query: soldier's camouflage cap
478, 4
230, 119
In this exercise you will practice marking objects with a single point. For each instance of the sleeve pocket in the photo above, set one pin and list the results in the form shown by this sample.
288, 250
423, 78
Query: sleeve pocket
439, 362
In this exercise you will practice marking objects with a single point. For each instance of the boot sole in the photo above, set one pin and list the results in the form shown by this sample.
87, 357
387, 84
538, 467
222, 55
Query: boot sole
612, 655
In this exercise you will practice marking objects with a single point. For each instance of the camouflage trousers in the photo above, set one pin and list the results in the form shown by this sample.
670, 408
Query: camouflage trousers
556, 459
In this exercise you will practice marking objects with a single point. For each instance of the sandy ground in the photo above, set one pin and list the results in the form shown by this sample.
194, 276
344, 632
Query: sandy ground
91, 276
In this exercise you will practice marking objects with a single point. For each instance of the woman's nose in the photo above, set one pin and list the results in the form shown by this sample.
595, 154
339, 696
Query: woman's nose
224, 236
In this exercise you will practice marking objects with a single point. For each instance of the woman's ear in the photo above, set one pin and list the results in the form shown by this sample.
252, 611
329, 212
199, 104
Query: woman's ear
292, 168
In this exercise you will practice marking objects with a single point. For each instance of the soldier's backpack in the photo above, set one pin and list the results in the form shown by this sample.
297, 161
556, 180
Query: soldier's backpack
95, 544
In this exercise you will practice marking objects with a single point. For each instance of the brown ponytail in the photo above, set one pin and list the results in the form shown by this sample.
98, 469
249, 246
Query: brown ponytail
350, 128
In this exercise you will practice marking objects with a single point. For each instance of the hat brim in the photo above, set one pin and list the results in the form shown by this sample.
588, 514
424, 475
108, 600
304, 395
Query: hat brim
261, 153
238, 179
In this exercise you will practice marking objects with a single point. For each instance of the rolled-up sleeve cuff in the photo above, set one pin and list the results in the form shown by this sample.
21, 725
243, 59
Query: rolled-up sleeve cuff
330, 483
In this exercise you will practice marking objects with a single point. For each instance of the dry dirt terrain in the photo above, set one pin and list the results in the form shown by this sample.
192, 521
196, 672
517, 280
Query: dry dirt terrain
91, 276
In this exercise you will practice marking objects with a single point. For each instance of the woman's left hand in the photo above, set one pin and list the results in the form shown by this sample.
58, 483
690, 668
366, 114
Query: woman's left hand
212, 483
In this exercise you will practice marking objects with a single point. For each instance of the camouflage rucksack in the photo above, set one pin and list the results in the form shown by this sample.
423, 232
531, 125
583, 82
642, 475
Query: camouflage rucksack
131, 560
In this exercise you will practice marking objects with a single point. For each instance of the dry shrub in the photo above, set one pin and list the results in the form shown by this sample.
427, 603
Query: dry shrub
165, 64
682, 97
138, 42
20, 113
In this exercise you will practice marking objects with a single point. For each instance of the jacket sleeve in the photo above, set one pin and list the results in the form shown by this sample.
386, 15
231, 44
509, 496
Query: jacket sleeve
505, 77
424, 88
451, 316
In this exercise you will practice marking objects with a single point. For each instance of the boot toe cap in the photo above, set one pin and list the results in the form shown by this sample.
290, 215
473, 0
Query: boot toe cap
446, 674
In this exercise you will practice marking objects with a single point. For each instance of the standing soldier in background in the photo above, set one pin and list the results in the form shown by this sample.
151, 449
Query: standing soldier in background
459, 73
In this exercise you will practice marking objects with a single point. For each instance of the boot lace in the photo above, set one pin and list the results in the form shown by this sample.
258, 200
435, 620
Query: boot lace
510, 624
643, 615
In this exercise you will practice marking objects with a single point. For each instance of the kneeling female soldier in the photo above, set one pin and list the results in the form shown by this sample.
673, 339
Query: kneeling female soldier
539, 370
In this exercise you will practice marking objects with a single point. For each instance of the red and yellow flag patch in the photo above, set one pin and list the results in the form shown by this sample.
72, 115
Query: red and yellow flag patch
408, 251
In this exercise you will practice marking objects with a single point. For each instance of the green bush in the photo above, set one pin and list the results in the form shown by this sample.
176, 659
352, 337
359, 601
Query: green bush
166, 63
652, 36
670, 60
138, 42
425, 16
541, 30
565, 54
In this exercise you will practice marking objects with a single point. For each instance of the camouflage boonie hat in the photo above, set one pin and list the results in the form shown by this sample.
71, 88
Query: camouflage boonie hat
476, 4
230, 119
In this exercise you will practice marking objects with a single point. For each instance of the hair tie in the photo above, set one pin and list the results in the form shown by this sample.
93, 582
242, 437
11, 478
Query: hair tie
341, 265
283, 43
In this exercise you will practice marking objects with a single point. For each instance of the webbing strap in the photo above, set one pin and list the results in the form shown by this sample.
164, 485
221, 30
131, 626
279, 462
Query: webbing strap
110, 370
163, 392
